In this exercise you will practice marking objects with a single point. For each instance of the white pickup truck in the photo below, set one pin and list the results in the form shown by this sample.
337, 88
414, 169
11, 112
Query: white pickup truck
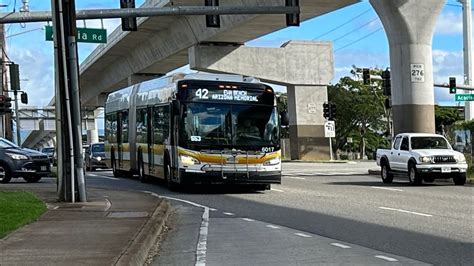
422, 157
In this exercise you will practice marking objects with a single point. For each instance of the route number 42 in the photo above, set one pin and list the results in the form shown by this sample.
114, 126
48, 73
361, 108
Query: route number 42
202, 93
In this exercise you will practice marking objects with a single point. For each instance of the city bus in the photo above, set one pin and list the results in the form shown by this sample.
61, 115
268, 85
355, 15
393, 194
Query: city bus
195, 129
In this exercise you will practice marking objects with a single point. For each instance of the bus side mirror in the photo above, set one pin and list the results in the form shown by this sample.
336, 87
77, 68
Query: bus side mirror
284, 118
175, 106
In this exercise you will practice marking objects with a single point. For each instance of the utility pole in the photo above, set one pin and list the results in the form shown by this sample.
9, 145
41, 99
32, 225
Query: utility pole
468, 69
70, 167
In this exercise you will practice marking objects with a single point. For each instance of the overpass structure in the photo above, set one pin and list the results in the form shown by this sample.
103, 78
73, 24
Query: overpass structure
163, 44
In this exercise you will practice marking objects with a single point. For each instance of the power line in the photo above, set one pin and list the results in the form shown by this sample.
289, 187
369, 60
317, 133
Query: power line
360, 39
343, 24
354, 30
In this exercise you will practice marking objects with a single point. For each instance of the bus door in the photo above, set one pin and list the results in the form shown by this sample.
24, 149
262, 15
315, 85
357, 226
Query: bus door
149, 140
122, 136
119, 141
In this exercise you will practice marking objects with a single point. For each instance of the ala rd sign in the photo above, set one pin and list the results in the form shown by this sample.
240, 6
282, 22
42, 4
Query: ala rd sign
83, 35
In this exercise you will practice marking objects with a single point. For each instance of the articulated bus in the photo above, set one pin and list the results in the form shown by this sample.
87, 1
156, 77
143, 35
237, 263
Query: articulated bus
195, 129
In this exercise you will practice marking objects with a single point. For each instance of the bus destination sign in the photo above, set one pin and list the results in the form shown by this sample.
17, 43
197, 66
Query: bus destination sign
226, 95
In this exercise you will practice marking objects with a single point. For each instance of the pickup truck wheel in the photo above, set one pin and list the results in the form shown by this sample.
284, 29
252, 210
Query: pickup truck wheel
413, 176
5, 175
459, 179
387, 177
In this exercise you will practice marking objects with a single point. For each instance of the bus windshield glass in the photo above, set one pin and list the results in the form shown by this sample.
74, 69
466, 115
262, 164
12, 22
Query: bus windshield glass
226, 124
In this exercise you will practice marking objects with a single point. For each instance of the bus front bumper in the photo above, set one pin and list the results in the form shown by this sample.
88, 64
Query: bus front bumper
217, 177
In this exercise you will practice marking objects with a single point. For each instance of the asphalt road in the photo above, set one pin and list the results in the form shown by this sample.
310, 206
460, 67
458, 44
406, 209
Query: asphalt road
430, 223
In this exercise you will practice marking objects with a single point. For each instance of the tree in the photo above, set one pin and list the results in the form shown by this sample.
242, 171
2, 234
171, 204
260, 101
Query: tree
361, 112
445, 118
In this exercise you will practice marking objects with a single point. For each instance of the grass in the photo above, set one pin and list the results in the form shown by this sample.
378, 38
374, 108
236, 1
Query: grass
18, 209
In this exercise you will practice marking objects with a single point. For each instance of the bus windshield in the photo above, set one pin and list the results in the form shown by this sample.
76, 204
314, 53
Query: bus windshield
227, 124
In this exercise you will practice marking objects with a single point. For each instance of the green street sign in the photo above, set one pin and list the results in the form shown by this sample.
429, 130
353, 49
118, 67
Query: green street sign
83, 35
464, 97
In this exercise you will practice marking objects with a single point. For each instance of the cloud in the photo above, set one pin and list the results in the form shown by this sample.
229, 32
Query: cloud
449, 23
36, 73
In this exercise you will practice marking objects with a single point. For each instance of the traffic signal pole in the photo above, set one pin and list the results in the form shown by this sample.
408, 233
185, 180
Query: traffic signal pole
17, 119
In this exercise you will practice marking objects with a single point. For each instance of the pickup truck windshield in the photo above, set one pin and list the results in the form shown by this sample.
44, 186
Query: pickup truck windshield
420, 143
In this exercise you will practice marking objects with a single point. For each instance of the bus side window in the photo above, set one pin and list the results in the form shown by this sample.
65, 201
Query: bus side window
111, 128
124, 131
160, 124
142, 126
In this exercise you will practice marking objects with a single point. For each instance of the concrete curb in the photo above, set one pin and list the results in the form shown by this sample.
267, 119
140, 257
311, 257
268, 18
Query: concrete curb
137, 252
374, 172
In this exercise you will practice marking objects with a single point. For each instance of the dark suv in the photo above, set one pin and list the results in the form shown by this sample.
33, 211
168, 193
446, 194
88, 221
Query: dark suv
22, 162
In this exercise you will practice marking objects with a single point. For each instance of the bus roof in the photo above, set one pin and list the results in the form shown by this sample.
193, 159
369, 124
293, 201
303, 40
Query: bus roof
162, 89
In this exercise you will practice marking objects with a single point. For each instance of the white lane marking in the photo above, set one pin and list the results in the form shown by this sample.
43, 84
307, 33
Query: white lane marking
108, 204
387, 188
302, 235
340, 245
248, 219
105, 177
295, 177
277, 190
385, 258
201, 249
272, 226
404, 211
229, 213
212, 209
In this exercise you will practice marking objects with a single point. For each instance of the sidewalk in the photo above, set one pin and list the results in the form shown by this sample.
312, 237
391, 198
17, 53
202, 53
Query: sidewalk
113, 228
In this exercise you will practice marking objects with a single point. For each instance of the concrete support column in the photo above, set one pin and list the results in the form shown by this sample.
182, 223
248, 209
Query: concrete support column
305, 67
307, 123
410, 26
92, 136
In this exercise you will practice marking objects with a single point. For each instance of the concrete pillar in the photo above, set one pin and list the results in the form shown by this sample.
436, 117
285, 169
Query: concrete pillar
410, 26
307, 139
305, 67
92, 136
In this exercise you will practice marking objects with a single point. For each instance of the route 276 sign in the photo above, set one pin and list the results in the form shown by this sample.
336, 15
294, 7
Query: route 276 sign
330, 129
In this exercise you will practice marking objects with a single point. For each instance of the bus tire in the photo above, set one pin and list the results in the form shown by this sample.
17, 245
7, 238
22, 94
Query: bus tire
172, 186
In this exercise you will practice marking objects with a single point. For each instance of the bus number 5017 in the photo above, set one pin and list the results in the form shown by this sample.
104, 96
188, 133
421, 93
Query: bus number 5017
202, 93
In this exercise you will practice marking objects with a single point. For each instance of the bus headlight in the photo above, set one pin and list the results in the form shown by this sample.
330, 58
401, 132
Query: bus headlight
188, 160
273, 161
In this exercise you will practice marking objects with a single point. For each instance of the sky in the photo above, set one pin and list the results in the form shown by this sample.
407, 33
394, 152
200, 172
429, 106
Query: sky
356, 32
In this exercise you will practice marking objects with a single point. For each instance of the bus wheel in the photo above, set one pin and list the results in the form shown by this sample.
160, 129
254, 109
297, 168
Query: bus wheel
173, 186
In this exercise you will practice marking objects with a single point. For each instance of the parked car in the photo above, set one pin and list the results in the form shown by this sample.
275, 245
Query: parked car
15, 161
422, 157
51, 152
94, 156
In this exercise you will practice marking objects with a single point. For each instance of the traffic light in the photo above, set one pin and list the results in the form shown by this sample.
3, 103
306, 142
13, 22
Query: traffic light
452, 85
129, 23
326, 111
5, 104
366, 76
332, 111
387, 83
24, 98
294, 18
212, 21
14, 77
